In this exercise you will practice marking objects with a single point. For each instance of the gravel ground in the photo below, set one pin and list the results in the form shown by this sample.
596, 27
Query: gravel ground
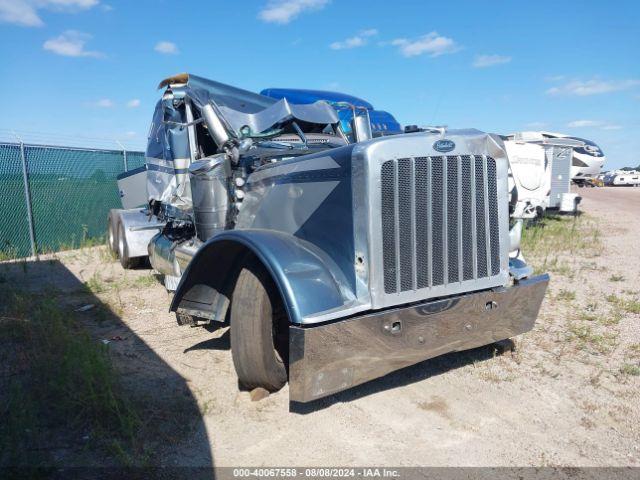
566, 396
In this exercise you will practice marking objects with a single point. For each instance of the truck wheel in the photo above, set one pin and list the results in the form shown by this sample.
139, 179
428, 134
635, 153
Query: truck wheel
259, 330
123, 251
112, 235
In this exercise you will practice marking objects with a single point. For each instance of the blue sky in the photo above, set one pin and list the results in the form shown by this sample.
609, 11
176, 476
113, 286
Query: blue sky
90, 68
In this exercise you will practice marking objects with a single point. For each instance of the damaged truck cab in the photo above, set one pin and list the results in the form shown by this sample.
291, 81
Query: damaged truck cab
335, 261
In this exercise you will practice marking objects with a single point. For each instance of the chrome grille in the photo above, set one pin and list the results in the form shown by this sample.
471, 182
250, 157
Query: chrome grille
494, 228
389, 229
405, 197
423, 243
467, 223
439, 219
480, 218
437, 223
452, 220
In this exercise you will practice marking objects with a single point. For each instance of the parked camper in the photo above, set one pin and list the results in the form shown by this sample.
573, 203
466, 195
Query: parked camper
540, 175
625, 178
587, 159
334, 262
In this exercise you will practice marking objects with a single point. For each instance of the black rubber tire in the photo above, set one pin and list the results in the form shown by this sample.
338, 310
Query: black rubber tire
259, 330
123, 251
112, 235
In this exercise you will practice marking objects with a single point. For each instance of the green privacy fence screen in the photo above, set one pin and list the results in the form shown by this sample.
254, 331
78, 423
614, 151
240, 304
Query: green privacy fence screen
70, 191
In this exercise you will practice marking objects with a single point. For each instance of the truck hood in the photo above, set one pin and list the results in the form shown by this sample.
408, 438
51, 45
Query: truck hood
242, 108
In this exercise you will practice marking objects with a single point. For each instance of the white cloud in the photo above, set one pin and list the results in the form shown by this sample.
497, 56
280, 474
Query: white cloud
69, 5
592, 87
283, 11
351, 42
133, 103
432, 44
71, 44
25, 12
19, 13
102, 103
359, 40
369, 32
167, 48
584, 123
483, 61
593, 124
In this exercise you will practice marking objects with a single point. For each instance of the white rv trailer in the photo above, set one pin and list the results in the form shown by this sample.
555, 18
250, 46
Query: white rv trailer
607, 177
624, 178
611, 175
587, 160
540, 174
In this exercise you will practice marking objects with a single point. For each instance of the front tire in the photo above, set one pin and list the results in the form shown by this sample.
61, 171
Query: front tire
259, 330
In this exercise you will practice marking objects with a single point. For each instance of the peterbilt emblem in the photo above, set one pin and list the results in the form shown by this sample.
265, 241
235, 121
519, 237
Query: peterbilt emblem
444, 146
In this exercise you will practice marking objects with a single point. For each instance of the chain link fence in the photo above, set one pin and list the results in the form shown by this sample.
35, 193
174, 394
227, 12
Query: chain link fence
56, 198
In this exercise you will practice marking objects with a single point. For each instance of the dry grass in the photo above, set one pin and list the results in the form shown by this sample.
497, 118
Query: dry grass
98, 284
624, 304
589, 338
566, 295
549, 239
629, 369
586, 324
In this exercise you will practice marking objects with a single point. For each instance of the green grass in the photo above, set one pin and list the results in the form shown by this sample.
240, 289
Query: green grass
60, 380
561, 234
566, 295
624, 304
632, 306
8, 252
629, 369
545, 239
587, 338
616, 278
606, 320
95, 284
149, 280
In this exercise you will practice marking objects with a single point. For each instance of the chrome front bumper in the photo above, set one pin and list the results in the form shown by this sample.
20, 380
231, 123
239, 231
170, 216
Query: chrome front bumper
336, 356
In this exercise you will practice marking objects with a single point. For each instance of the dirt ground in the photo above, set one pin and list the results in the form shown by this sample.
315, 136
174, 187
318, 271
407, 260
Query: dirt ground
568, 395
